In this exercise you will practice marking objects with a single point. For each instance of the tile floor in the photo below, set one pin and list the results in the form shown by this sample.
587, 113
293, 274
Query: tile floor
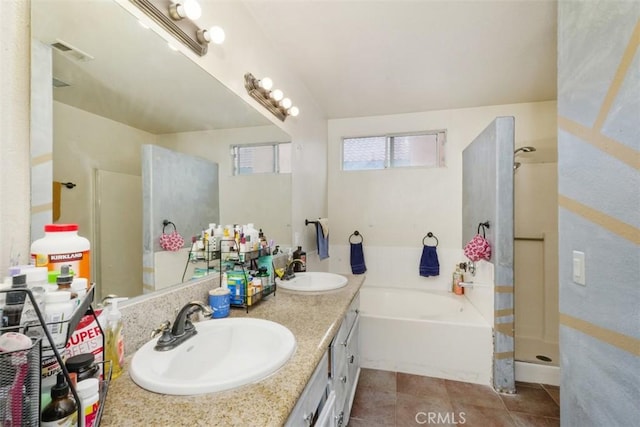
395, 399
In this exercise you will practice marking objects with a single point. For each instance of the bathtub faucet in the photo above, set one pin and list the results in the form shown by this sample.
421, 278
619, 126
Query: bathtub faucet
466, 284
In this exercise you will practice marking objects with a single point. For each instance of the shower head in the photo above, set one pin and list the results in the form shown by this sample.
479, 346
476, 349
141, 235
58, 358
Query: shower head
527, 149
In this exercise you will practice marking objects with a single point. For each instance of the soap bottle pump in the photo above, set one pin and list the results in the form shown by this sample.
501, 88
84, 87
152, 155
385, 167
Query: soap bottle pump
114, 346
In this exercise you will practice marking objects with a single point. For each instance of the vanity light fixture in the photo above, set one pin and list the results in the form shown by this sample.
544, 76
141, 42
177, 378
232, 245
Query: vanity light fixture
177, 17
272, 100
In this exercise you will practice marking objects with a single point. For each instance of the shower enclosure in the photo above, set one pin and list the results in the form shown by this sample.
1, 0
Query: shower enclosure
516, 190
535, 262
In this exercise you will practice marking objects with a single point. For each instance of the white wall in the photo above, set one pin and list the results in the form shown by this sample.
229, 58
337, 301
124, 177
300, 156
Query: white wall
14, 132
264, 199
84, 142
394, 209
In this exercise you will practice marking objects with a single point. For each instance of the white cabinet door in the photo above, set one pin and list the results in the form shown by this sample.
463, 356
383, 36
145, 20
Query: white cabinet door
309, 404
345, 362
327, 414
352, 354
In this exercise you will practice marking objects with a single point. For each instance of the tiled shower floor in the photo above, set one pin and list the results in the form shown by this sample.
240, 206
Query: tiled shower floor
395, 399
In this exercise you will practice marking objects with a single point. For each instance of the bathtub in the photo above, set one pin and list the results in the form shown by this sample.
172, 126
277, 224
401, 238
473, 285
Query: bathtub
431, 333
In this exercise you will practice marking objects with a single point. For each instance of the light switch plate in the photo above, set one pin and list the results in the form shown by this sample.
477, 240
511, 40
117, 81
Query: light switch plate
578, 268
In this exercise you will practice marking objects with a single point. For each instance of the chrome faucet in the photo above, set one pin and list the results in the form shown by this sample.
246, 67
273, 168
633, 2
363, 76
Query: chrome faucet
288, 272
466, 285
182, 328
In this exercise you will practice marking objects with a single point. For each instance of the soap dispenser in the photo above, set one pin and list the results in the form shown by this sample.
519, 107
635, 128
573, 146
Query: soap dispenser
114, 346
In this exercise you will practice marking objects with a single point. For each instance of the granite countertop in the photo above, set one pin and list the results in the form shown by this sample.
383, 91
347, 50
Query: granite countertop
313, 319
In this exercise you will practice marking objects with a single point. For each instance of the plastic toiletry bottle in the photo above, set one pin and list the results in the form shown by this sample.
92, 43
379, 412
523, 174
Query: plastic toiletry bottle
114, 346
243, 243
89, 401
65, 279
58, 309
457, 278
224, 281
263, 240
79, 286
62, 411
15, 300
60, 245
303, 258
253, 237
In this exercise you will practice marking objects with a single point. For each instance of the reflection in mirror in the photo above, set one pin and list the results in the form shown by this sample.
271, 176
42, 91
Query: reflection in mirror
117, 87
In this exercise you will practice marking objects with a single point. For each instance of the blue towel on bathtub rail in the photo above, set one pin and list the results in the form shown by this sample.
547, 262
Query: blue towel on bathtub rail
429, 265
323, 242
357, 259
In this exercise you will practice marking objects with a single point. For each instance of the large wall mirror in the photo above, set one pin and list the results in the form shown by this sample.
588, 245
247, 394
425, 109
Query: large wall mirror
116, 88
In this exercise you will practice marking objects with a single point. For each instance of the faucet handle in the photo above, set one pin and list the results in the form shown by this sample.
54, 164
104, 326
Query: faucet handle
164, 326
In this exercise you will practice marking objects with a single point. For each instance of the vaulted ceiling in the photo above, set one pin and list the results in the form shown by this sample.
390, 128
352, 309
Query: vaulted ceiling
363, 58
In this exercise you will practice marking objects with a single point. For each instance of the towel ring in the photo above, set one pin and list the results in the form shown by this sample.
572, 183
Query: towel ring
356, 233
483, 225
431, 235
166, 222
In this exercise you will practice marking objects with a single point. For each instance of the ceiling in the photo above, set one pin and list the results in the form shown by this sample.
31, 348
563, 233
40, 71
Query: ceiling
364, 58
131, 76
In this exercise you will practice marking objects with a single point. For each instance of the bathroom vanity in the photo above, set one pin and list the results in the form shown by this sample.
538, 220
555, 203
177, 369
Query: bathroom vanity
326, 400
321, 373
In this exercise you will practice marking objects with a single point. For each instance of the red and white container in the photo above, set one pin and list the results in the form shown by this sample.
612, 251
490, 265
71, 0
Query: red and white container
61, 245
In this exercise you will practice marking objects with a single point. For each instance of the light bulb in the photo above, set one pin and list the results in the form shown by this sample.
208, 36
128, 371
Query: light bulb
286, 103
191, 9
293, 111
216, 34
277, 95
188, 9
266, 83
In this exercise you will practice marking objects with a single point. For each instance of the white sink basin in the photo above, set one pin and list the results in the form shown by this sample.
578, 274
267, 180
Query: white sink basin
313, 282
224, 354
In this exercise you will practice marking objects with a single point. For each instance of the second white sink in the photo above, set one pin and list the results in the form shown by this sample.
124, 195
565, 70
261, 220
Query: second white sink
224, 354
313, 282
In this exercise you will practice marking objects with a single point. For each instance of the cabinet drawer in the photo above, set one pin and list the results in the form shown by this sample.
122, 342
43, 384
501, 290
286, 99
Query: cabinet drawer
312, 396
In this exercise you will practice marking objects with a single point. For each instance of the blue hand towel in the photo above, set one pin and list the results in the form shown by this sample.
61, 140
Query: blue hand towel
357, 259
323, 242
429, 265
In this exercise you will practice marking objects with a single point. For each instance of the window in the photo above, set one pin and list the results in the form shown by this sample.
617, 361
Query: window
253, 159
394, 151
